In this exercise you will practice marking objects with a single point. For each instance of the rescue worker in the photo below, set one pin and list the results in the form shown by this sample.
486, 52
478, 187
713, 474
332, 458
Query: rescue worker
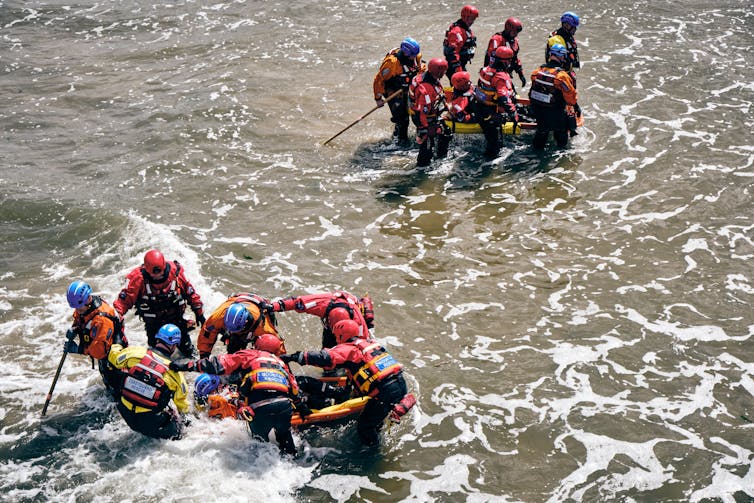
149, 385
494, 97
508, 37
552, 89
238, 320
372, 371
569, 23
461, 103
160, 291
428, 104
268, 388
218, 399
397, 69
460, 42
331, 308
98, 327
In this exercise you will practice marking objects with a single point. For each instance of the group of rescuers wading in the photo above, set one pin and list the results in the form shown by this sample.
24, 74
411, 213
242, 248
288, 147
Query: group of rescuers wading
492, 101
148, 385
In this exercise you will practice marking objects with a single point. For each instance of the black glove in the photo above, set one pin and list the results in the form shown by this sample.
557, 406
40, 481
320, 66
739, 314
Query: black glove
70, 334
183, 366
200, 319
70, 347
523, 79
303, 409
293, 357
299, 305
577, 109
269, 308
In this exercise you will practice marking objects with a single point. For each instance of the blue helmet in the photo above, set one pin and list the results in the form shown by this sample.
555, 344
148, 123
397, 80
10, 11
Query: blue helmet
236, 318
410, 47
78, 294
559, 51
570, 18
205, 384
169, 334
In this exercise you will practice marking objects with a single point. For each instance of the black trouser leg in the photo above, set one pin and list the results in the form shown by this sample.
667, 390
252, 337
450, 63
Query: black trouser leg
540, 138
561, 138
425, 153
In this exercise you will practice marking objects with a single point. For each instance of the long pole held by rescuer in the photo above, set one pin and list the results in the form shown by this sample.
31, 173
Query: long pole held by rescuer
54, 382
396, 93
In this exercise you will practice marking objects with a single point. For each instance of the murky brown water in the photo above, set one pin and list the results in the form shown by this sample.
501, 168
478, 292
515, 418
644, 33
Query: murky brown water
576, 324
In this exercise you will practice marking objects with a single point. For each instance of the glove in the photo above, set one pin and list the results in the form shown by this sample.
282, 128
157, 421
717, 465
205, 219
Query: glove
268, 308
380, 102
183, 366
70, 334
303, 409
245, 412
70, 347
523, 79
200, 319
421, 135
577, 109
297, 357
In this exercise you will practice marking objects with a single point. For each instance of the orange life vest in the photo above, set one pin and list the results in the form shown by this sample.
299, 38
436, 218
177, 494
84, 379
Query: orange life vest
377, 366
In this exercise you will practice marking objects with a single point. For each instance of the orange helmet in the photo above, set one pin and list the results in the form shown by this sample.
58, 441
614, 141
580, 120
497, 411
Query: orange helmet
461, 81
268, 342
468, 14
154, 262
345, 330
437, 67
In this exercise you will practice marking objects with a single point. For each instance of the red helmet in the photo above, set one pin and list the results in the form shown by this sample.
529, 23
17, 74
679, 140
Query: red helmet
468, 14
154, 262
268, 342
503, 53
336, 315
437, 67
513, 25
461, 81
345, 330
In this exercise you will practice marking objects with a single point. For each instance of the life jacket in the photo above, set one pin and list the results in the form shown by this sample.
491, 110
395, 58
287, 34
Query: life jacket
165, 304
433, 100
485, 92
408, 70
84, 329
222, 403
500, 40
267, 374
543, 91
377, 366
459, 105
418, 79
144, 385
468, 48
